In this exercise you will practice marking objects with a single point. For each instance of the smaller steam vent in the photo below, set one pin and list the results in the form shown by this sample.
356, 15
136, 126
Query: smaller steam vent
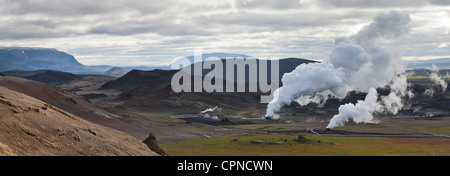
274, 117
327, 130
311, 131
268, 118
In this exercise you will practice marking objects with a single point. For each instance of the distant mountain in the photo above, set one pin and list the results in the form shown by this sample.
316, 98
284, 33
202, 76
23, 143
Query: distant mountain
286, 65
23, 58
220, 56
116, 71
31, 59
441, 63
212, 56
426, 72
146, 68
190, 58
36, 59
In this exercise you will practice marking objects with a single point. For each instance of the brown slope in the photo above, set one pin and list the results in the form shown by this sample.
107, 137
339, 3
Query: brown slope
31, 127
70, 102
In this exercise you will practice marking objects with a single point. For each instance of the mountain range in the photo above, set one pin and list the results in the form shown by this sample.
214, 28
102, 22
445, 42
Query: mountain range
30, 59
440, 63
21, 58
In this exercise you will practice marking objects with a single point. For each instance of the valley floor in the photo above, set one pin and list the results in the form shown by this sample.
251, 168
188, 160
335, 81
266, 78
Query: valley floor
399, 136
288, 145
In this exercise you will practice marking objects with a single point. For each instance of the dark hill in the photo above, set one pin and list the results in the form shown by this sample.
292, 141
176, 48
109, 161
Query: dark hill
51, 77
21, 73
136, 78
285, 66
54, 78
156, 95
152, 90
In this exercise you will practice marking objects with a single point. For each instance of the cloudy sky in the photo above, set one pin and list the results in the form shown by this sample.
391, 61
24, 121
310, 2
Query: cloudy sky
153, 32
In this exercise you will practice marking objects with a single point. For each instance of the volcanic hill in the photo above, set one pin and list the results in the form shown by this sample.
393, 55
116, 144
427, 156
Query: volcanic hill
71, 103
151, 90
31, 127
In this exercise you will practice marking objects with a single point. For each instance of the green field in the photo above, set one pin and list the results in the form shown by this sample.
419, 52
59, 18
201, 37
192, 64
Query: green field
425, 79
286, 145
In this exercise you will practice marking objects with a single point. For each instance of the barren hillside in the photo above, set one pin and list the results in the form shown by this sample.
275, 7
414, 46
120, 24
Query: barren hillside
70, 102
31, 127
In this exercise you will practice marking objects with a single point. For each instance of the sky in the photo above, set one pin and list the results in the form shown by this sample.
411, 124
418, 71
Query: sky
154, 32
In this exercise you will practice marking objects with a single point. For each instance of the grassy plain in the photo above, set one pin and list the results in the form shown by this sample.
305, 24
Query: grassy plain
287, 145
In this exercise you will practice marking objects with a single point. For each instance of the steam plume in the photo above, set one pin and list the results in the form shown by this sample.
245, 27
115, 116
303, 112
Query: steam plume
362, 111
356, 63
210, 110
359, 112
307, 79
436, 79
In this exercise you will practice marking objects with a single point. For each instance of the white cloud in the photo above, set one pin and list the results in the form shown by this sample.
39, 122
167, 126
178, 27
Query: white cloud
143, 32
443, 45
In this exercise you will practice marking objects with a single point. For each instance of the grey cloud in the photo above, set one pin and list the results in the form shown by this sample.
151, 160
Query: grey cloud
268, 4
82, 7
110, 17
42, 23
372, 4
425, 45
280, 22
381, 3
30, 33
22, 29
440, 2
257, 26
161, 27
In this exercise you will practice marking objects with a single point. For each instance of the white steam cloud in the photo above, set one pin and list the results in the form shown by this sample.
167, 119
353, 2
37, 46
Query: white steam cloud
356, 63
360, 112
436, 79
307, 79
210, 110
